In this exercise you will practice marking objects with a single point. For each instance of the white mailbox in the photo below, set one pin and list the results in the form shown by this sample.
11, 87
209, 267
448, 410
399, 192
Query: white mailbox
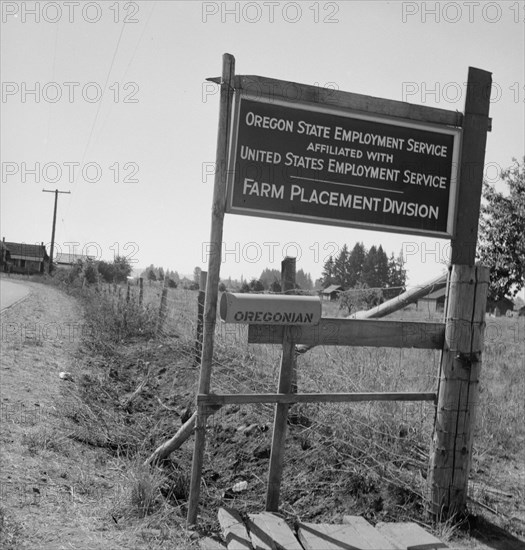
270, 309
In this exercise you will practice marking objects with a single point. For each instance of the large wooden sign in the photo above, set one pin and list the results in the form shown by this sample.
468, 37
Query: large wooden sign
315, 164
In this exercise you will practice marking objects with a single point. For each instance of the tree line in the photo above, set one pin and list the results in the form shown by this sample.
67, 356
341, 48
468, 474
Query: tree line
362, 268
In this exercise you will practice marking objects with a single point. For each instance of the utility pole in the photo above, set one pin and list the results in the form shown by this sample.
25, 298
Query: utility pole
56, 192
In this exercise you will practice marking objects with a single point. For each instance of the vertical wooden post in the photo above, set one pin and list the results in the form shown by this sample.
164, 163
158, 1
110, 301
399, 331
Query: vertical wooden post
163, 306
288, 285
141, 291
212, 283
281, 409
128, 293
474, 138
451, 451
465, 313
200, 318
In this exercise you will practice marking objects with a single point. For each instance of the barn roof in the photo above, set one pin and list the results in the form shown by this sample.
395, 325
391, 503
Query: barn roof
70, 259
331, 288
436, 295
24, 251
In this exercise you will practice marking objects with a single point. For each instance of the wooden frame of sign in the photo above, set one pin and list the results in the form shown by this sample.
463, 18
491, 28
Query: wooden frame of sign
460, 224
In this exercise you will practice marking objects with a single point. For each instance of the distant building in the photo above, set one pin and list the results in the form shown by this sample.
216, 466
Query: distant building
24, 258
433, 302
331, 292
63, 259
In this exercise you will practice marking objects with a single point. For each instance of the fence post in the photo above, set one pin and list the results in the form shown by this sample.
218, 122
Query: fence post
451, 452
128, 292
141, 291
288, 286
200, 317
286, 375
163, 306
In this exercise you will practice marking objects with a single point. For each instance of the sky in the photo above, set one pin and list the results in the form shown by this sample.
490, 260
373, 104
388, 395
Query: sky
109, 100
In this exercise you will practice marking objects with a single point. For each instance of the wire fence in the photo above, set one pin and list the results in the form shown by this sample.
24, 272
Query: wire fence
366, 458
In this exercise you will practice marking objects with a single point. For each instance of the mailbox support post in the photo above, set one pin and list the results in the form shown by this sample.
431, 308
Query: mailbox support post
286, 375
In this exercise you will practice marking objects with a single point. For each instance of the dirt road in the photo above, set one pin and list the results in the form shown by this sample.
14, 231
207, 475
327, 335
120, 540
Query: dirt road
11, 293
47, 499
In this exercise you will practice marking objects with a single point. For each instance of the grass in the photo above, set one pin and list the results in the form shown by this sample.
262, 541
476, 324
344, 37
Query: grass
365, 459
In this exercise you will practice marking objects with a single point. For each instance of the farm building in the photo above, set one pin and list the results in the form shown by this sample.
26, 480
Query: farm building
64, 259
500, 307
24, 258
5, 255
433, 302
331, 292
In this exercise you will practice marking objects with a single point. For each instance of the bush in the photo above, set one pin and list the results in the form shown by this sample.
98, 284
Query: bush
360, 298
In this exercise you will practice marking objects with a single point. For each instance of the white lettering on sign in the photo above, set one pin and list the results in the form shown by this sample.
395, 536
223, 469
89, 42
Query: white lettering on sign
428, 180
269, 123
368, 138
263, 189
313, 129
410, 208
334, 150
360, 170
247, 153
334, 198
305, 163
427, 148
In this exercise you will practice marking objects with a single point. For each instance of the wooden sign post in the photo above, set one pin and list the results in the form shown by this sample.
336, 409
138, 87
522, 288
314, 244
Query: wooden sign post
451, 452
333, 157
212, 283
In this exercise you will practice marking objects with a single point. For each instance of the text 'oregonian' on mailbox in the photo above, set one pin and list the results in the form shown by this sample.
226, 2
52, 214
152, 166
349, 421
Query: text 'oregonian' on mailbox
270, 309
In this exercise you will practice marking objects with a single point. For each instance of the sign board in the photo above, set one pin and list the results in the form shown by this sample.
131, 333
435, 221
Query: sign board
270, 309
316, 164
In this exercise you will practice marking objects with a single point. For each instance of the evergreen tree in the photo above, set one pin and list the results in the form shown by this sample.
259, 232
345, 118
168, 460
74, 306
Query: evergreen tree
382, 267
355, 265
369, 276
256, 285
303, 280
396, 276
341, 268
275, 286
151, 275
268, 276
327, 276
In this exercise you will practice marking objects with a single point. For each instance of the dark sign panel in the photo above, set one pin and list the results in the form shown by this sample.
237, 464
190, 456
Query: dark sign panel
304, 163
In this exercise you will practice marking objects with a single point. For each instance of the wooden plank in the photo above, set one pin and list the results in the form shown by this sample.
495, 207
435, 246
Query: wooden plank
270, 532
234, 530
242, 399
211, 544
410, 536
475, 127
335, 537
259, 86
399, 302
212, 283
356, 332
369, 532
